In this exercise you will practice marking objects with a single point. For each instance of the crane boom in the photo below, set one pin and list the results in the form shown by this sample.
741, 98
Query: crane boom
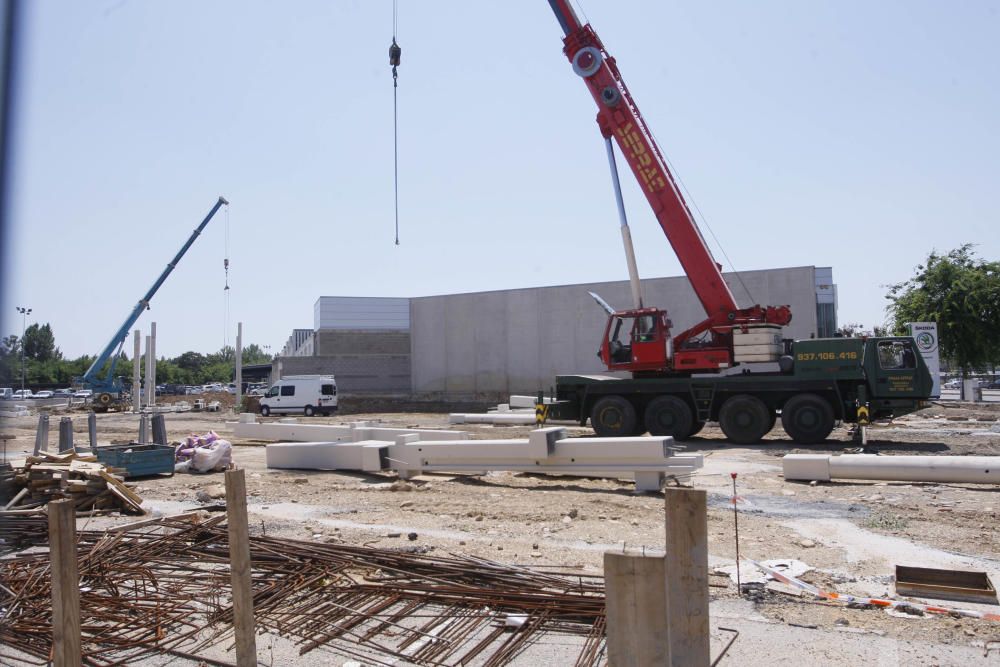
107, 385
619, 117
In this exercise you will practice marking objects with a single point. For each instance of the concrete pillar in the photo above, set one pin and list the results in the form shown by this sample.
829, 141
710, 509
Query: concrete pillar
65, 434
136, 371
635, 599
143, 429
239, 365
152, 364
92, 430
159, 430
42, 434
149, 371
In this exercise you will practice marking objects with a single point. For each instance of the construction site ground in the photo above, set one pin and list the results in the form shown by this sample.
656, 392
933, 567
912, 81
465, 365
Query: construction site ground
850, 533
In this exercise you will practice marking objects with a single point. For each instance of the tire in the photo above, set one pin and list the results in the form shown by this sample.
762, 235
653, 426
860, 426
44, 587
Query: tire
265, 411
613, 417
104, 399
696, 429
744, 419
669, 415
807, 418
309, 411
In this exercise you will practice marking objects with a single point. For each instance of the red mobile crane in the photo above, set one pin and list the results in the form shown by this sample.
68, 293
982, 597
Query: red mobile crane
729, 368
709, 344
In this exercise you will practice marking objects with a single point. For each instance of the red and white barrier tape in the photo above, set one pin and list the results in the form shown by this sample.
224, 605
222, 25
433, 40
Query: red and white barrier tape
876, 602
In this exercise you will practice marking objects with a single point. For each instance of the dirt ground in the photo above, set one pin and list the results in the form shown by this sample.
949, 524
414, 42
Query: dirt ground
851, 534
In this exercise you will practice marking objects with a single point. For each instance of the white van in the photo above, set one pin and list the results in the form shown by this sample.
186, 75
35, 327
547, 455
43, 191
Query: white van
307, 394
6, 393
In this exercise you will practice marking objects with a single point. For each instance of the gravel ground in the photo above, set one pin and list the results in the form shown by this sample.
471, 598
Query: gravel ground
851, 533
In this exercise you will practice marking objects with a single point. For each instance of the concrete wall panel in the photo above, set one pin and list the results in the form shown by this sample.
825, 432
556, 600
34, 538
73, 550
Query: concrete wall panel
517, 341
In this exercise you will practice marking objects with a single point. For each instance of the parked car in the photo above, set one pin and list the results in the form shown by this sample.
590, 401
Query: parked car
83, 393
22, 394
952, 384
6, 393
45, 393
193, 390
63, 393
231, 387
992, 384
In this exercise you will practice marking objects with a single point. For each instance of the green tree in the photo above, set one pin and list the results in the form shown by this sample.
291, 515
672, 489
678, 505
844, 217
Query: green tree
40, 343
253, 354
10, 360
962, 294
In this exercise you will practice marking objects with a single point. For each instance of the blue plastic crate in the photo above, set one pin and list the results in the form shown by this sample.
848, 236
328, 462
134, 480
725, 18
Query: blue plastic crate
138, 460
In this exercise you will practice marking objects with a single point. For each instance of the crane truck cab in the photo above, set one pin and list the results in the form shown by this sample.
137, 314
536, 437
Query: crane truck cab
308, 394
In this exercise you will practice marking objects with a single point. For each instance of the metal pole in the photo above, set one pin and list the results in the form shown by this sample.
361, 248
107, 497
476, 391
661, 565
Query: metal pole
239, 365
25, 311
633, 269
159, 430
736, 523
65, 434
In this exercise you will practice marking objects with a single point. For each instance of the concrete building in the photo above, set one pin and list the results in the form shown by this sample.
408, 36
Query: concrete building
364, 341
489, 344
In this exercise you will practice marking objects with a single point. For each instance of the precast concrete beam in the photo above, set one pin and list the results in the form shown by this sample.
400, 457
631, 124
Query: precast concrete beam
945, 469
295, 432
491, 418
365, 456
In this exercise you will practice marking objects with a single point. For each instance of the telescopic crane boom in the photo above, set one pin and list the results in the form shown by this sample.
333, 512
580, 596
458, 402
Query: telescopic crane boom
619, 117
107, 389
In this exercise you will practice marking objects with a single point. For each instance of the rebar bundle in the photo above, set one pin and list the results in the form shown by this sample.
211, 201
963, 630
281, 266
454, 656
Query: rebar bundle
163, 588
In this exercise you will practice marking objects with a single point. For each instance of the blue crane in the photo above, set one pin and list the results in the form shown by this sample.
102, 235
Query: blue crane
108, 389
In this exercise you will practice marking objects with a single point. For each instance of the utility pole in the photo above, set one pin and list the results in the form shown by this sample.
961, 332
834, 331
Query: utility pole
25, 311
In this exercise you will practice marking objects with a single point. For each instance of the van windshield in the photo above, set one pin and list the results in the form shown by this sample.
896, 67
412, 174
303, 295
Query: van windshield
273, 391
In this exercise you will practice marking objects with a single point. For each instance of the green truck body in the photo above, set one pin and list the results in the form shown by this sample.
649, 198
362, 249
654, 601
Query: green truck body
819, 382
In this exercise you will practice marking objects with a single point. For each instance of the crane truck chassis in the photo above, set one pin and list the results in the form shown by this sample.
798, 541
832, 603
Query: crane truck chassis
819, 382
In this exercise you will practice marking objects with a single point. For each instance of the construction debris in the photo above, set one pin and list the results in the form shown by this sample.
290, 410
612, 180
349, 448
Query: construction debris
163, 589
92, 485
203, 453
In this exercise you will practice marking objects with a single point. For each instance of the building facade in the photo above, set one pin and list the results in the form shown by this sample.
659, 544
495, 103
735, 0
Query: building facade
466, 346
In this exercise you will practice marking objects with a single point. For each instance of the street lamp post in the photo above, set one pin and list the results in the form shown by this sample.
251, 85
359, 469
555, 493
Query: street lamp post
24, 315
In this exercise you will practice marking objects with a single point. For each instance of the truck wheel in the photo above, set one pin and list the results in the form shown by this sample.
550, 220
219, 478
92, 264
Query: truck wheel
309, 411
669, 415
744, 419
264, 410
807, 418
696, 428
613, 417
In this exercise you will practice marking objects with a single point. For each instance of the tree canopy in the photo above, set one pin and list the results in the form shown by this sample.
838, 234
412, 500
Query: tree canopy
961, 293
45, 365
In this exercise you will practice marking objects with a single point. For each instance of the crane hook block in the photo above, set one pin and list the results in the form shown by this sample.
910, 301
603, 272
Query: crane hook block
394, 53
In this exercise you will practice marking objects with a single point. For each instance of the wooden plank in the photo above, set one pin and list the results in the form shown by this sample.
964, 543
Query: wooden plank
65, 584
239, 563
686, 577
636, 606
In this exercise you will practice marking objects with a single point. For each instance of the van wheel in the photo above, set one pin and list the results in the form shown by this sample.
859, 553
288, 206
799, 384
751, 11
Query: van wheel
309, 411
669, 415
613, 417
807, 418
264, 410
744, 419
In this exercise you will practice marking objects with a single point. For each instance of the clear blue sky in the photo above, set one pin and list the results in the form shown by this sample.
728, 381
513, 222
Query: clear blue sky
852, 134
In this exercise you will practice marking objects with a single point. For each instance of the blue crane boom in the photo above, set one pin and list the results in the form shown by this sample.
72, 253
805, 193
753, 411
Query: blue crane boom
106, 389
